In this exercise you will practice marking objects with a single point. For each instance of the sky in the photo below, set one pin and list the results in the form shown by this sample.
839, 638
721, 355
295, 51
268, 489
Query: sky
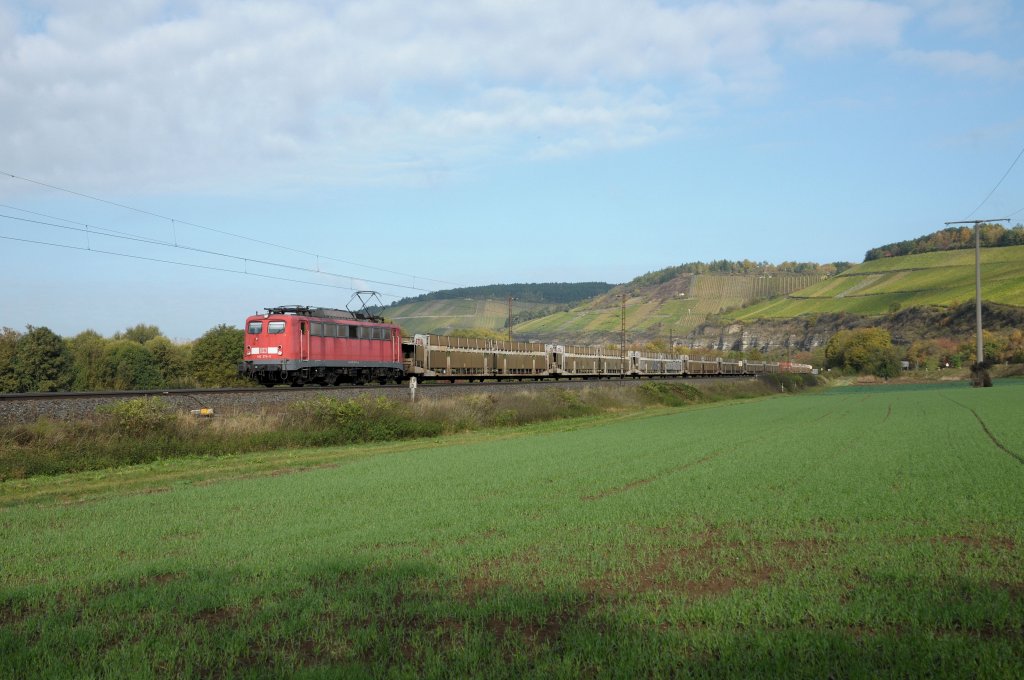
187, 163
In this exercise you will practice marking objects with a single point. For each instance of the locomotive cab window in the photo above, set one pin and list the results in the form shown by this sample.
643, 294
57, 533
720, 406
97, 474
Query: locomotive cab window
275, 327
255, 327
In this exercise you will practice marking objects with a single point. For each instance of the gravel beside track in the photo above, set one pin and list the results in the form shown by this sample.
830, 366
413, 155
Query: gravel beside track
73, 407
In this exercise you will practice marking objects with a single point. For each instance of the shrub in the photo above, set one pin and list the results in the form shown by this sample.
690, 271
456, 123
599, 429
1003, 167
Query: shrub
671, 394
137, 417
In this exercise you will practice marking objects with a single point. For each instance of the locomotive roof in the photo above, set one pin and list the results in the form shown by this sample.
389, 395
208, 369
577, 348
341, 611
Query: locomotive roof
323, 313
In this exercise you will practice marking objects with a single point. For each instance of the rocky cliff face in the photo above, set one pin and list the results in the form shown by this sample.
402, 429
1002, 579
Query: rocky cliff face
809, 332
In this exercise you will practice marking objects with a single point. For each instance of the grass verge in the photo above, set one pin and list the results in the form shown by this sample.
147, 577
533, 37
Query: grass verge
139, 431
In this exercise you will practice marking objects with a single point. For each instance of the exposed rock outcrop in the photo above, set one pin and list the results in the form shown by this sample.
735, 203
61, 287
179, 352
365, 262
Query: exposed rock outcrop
811, 331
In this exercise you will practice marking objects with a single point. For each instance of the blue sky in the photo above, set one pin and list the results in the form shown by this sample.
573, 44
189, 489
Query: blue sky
403, 146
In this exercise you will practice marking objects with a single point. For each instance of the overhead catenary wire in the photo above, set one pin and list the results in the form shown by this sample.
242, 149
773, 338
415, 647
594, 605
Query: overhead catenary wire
998, 184
182, 264
174, 222
140, 239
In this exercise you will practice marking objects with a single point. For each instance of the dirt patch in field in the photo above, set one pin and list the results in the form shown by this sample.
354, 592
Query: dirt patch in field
489, 576
217, 616
978, 542
711, 564
161, 579
1014, 590
544, 631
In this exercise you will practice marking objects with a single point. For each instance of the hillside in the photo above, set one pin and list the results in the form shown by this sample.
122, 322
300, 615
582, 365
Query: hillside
877, 287
674, 307
443, 316
486, 307
701, 307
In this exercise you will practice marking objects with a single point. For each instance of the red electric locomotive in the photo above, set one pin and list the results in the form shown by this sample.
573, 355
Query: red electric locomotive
296, 345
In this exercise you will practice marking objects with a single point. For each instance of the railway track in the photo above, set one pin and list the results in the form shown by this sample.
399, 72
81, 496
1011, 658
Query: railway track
28, 407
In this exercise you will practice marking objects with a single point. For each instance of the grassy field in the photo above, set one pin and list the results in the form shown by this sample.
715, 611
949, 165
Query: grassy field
859, 532
871, 288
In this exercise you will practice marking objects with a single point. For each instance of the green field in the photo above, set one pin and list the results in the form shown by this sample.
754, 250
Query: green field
858, 532
872, 288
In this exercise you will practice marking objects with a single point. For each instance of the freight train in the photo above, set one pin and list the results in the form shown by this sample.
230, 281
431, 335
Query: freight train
297, 345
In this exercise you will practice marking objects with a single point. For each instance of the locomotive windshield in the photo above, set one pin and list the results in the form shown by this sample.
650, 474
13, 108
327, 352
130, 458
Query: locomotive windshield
255, 327
275, 327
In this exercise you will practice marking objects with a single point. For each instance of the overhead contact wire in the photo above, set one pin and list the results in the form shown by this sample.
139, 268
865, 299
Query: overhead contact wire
182, 264
142, 239
220, 231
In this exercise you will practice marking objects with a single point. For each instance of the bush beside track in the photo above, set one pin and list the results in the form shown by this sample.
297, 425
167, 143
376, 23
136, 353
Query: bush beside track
147, 429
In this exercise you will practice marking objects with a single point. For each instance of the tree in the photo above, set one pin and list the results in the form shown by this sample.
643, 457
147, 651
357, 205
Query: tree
171, 360
215, 356
140, 333
864, 350
87, 349
1015, 347
8, 346
127, 365
42, 362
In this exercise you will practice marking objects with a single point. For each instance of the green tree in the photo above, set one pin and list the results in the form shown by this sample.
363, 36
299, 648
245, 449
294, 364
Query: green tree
171, 360
8, 346
215, 356
127, 365
87, 349
141, 333
42, 362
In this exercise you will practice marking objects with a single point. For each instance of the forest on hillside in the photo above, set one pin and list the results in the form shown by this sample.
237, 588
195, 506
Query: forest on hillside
952, 238
553, 293
738, 267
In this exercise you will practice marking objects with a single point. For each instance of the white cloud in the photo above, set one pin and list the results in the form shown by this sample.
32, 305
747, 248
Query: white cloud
964, 63
166, 92
967, 17
816, 27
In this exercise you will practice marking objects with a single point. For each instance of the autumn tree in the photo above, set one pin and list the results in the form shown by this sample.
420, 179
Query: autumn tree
864, 350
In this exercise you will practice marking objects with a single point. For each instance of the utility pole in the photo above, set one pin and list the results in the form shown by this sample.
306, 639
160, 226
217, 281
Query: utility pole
510, 299
980, 354
622, 344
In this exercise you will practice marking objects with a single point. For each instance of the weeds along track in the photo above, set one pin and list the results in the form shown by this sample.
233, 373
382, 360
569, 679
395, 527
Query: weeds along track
65, 406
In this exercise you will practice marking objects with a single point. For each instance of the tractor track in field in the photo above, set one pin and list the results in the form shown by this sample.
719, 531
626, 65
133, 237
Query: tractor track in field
649, 480
1002, 447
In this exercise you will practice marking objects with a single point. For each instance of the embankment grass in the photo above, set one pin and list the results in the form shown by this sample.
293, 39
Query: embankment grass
142, 430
